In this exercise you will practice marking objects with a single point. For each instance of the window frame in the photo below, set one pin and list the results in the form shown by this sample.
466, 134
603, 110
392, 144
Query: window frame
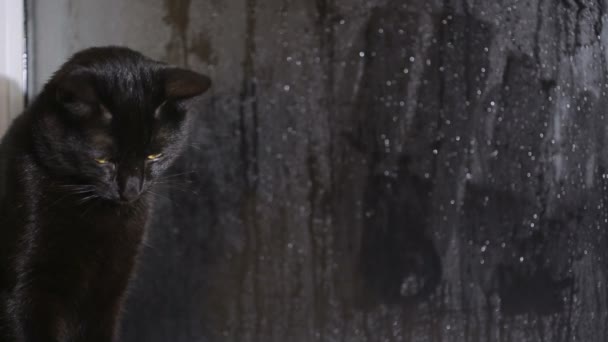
13, 60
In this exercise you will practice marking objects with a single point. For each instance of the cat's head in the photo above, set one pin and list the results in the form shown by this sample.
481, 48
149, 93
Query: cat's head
111, 121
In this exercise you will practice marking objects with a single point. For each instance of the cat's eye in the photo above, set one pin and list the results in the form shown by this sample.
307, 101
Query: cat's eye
102, 161
154, 157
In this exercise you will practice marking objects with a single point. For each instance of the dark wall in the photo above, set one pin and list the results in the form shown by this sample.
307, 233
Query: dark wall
382, 171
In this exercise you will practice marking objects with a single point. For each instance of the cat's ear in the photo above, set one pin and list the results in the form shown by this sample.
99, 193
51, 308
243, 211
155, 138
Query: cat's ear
181, 84
77, 94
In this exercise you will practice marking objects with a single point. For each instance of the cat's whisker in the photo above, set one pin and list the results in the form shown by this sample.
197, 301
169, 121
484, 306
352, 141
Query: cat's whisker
174, 184
84, 191
177, 187
194, 146
174, 180
157, 195
169, 181
74, 185
92, 205
186, 184
147, 245
173, 175
88, 198
52, 205
75, 188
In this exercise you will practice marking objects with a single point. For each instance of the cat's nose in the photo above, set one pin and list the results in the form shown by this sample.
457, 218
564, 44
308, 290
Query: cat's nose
130, 189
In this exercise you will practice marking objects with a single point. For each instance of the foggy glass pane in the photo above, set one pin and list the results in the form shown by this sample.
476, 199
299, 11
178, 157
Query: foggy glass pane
370, 170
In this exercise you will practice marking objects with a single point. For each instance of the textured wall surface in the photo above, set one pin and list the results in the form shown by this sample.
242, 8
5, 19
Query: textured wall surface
372, 170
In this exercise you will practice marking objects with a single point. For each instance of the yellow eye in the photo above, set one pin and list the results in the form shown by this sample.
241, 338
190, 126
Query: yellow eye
101, 161
154, 156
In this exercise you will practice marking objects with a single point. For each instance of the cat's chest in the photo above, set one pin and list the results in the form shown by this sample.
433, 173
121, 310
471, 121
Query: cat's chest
94, 216
86, 245
96, 228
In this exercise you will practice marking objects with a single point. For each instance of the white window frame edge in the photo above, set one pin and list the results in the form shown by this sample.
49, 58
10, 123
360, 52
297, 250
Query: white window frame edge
13, 77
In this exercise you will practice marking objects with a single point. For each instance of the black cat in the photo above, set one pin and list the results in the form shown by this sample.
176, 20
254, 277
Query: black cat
76, 172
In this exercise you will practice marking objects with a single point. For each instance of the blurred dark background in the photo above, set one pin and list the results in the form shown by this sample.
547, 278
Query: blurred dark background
370, 170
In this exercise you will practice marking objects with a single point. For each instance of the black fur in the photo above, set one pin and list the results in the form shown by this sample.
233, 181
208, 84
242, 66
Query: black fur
75, 191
